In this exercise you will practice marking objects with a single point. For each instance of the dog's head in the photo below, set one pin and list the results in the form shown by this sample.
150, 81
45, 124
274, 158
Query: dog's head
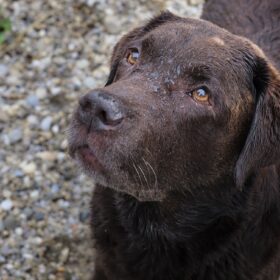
186, 104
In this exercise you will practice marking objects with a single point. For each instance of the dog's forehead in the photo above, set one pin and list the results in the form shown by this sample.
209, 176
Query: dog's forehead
196, 42
190, 30
190, 39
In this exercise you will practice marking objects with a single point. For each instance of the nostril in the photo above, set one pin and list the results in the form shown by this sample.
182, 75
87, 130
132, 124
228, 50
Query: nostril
85, 104
109, 119
102, 115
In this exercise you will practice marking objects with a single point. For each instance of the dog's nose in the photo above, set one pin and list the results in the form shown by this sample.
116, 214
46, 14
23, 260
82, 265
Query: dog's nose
100, 110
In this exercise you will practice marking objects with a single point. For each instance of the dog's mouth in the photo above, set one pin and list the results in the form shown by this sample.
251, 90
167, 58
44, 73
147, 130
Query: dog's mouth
86, 156
138, 179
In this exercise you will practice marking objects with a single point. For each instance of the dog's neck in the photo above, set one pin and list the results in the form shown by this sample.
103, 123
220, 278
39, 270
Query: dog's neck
210, 225
187, 216
205, 204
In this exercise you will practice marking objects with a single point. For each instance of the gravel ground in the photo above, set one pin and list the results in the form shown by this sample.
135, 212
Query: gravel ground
57, 50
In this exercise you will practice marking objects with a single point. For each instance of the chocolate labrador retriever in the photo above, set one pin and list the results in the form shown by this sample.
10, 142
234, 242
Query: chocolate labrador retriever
183, 143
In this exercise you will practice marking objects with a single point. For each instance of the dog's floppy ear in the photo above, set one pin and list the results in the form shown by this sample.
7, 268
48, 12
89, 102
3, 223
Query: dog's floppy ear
262, 146
121, 47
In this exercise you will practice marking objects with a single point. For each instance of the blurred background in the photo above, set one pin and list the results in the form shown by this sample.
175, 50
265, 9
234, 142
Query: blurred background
52, 52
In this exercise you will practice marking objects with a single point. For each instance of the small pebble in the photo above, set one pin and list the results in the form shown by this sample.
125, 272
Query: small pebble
55, 90
34, 194
82, 63
46, 123
39, 216
55, 129
18, 173
90, 3
7, 193
15, 135
89, 82
111, 26
28, 256
11, 222
32, 121
42, 268
63, 203
3, 70
47, 155
37, 240
19, 231
41, 93
28, 212
5, 250
32, 100
6, 205
55, 188
84, 216
2, 259
64, 255
28, 168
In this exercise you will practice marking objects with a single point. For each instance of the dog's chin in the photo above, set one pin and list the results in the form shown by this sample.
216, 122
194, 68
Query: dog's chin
117, 181
147, 195
135, 191
140, 195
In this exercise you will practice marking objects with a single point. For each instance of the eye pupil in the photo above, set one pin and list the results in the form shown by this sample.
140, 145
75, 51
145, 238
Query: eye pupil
201, 92
135, 55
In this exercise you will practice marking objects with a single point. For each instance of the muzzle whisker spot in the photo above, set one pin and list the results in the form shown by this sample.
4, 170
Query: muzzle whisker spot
144, 175
153, 171
141, 184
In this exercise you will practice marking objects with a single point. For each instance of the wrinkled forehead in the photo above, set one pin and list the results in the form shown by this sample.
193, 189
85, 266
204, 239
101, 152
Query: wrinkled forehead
189, 40
195, 44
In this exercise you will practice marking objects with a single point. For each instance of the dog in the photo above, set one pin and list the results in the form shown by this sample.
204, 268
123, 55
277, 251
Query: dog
183, 143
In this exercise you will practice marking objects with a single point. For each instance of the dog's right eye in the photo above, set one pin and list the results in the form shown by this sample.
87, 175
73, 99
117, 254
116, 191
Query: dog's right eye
200, 95
133, 56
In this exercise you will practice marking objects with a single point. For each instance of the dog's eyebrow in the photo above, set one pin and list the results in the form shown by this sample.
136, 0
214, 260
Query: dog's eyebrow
199, 72
148, 45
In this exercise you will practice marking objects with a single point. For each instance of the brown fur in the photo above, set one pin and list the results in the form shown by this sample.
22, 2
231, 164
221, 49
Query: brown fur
187, 190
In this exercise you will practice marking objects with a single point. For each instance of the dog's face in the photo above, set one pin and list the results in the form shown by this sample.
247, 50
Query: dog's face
176, 111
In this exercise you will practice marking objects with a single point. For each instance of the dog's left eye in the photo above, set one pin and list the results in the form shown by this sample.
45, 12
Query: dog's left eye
200, 95
133, 56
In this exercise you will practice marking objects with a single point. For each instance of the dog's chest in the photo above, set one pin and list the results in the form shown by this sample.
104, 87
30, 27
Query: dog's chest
135, 242
135, 246
138, 256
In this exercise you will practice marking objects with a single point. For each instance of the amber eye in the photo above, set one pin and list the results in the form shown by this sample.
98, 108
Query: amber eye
132, 56
200, 95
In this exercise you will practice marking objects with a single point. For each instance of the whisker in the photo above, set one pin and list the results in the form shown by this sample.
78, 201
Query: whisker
144, 175
150, 188
156, 180
141, 184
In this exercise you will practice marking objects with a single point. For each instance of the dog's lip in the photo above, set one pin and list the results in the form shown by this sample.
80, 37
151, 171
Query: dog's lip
86, 155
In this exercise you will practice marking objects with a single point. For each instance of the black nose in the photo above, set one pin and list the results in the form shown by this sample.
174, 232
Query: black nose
100, 111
